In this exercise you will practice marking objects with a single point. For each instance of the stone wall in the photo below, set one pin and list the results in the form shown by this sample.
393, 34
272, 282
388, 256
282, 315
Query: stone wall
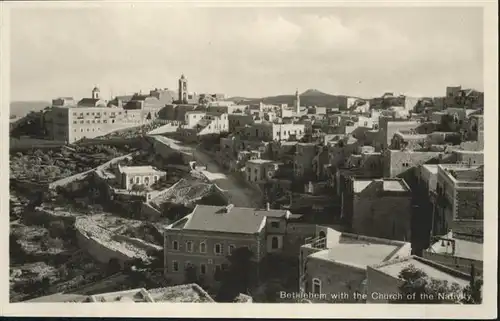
336, 278
380, 283
470, 204
295, 236
256, 244
397, 162
98, 250
385, 217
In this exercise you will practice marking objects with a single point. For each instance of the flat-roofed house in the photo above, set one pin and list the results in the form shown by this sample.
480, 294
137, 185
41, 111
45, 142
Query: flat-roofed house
333, 265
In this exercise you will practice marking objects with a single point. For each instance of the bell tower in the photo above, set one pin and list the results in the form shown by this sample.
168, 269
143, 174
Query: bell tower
96, 93
183, 90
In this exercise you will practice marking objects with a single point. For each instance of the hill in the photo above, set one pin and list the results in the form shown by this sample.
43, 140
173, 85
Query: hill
310, 97
22, 108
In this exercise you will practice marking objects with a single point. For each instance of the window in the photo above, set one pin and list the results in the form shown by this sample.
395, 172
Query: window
175, 266
274, 242
218, 249
189, 246
316, 286
187, 264
230, 249
137, 180
275, 224
203, 247
74, 122
175, 246
131, 181
203, 269
146, 180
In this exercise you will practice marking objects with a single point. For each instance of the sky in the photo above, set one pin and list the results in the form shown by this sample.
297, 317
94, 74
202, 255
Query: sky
250, 52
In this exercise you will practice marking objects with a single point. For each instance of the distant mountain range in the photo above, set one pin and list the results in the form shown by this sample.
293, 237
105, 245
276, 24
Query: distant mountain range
22, 108
310, 97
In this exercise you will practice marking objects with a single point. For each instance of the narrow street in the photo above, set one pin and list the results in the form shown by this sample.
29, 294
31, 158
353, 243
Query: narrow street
237, 191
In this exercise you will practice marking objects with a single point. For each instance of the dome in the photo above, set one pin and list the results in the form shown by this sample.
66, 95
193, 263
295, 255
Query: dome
96, 89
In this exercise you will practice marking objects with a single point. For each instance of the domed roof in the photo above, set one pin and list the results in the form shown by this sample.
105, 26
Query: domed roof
96, 89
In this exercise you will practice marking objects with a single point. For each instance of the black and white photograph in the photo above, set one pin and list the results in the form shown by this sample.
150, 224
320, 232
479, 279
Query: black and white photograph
258, 154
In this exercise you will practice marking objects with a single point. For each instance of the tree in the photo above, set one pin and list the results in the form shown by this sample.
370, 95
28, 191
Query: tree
418, 287
173, 211
190, 275
114, 266
473, 292
238, 277
138, 188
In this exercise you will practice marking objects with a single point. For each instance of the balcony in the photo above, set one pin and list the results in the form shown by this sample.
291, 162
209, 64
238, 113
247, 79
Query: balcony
318, 242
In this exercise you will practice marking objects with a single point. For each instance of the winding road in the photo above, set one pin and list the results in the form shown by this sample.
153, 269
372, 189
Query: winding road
238, 192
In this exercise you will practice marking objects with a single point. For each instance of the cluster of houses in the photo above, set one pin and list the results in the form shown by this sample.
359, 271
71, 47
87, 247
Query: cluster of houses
354, 195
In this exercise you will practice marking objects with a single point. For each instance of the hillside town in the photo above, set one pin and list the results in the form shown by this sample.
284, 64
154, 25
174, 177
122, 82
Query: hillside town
178, 196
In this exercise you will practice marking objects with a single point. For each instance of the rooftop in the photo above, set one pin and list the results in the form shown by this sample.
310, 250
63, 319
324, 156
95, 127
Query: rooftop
181, 293
433, 169
463, 248
463, 173
388, 185
229, 219
127, 296
260, 161
360, 252
433, 270
138, 169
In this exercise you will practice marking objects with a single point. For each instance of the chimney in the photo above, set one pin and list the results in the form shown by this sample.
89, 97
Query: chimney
268, 206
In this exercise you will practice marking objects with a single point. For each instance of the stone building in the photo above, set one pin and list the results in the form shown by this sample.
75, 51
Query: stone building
397, 162
260, 170
89, 119
303, 160
204, 239
378, 207
389, 126
333, 265
138, 175
460, 195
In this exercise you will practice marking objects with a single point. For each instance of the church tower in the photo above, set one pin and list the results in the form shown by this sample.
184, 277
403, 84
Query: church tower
96, 93
297, 102
183, 90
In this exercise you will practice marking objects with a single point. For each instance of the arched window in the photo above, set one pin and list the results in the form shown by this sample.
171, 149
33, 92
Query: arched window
203, 247
274, 242
316, 288
146, 180
189, 246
